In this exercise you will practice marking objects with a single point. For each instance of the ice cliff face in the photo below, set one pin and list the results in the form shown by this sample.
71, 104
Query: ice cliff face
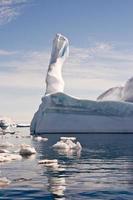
60, 113
60, 50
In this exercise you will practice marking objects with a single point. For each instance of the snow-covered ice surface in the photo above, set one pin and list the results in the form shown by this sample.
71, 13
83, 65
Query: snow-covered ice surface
60, 112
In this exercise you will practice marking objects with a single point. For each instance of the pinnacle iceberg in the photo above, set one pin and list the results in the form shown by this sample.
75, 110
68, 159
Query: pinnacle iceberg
62, 113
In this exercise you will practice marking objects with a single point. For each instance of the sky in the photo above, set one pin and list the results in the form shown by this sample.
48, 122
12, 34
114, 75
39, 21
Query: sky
100, 34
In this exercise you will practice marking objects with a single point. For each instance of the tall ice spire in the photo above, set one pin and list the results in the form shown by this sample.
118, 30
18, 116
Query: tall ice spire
60, 51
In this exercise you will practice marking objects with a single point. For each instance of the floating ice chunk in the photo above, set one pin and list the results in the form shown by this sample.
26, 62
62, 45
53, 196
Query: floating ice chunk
4, 182
67, 144
6, 144
40, 139
27, 150
15, 157
4, 159
4, 151
61, 145
6, 122
7, 157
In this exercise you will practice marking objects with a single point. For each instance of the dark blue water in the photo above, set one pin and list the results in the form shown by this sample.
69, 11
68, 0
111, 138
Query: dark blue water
102, 170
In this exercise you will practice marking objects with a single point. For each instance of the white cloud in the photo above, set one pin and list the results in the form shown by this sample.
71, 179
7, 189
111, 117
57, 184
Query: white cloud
6, 53
11, 2
85, 69
10, 9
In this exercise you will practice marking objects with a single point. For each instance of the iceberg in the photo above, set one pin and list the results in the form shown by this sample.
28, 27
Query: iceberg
123, 93
62, 113
7, 125
112, 94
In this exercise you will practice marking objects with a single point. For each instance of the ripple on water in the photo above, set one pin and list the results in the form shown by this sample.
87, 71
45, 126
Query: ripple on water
102, 170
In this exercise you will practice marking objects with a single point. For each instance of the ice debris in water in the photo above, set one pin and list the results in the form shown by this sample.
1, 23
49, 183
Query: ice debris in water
4, 151
7, 157
26, 150
4, 182
68, 144
39, 138
6, 144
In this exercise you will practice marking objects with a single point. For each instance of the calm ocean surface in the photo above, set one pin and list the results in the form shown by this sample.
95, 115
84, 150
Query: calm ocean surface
102, 170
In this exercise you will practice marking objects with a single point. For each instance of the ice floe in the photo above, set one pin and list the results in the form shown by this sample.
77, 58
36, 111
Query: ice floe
4, 151
67, 143
6, 145
4, 182
7, 157
26, 150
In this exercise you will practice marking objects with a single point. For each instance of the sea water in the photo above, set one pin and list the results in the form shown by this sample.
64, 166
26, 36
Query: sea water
103, 169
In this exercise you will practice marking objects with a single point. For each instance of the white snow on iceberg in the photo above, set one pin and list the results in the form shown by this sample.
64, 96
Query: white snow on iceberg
123, 93
60, 50
112, 94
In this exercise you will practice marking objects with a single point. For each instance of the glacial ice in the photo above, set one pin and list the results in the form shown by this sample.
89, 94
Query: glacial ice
59, 112
128, 91
60, 50
124, 93
112, 94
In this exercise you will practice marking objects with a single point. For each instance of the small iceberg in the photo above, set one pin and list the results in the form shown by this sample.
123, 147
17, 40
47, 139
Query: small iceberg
7, 125
68, 144
7, 157
4, 182
26, 150
6, 145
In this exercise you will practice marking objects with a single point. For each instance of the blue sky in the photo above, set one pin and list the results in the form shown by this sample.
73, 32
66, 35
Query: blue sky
101, 49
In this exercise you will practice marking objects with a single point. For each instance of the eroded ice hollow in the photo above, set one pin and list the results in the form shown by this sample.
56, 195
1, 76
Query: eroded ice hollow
62, 113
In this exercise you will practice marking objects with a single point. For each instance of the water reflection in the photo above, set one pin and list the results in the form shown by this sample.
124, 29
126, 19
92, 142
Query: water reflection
69, 153
57, 186
56, 181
